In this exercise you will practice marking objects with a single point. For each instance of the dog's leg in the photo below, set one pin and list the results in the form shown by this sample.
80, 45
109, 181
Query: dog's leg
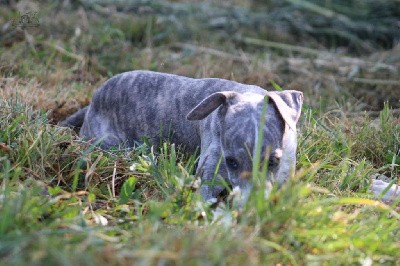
75, 120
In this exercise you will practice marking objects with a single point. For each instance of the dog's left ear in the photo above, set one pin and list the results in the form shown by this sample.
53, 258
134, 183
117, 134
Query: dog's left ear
289, 104
211, 103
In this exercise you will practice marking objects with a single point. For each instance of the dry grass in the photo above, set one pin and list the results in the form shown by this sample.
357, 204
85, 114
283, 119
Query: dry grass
78, 50
65, 201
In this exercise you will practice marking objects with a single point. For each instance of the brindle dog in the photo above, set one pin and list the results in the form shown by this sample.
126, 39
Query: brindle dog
221, 117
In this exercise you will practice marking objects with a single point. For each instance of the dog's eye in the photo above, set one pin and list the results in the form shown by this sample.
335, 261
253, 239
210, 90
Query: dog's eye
232, 163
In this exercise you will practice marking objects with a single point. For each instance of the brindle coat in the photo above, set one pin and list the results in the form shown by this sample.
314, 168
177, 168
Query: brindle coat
221, 117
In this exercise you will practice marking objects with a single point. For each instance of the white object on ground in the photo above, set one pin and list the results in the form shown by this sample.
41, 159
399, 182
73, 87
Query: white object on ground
378, 186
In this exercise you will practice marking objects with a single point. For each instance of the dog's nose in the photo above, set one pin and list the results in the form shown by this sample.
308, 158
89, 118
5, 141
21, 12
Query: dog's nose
275, 158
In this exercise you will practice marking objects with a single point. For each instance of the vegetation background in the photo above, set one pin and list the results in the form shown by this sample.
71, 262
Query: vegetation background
65, 202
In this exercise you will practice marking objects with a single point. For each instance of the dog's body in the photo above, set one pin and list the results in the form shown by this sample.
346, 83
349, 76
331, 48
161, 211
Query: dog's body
221, 117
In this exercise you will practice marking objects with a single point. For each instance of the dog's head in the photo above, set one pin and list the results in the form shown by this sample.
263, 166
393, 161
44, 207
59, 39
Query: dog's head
238, 132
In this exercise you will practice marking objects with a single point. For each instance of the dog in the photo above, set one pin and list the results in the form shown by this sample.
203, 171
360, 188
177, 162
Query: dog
221, 117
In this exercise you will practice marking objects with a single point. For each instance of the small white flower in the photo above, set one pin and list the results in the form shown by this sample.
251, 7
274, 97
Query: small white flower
133, 167
366, 261
196, 183
99, 219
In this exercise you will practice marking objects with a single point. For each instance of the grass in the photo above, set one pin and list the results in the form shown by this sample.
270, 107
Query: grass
324, 214
64, 201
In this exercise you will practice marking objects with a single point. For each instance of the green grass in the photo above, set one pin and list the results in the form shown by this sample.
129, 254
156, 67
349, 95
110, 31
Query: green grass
56, 191
66, 202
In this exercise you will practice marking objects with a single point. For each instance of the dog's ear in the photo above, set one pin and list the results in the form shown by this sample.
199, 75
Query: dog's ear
289, 104
209, 104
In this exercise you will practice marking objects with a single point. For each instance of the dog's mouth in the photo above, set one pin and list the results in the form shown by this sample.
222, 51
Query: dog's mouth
220, 194
223, 196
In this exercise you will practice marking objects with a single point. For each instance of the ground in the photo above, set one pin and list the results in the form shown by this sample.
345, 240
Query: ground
64, 201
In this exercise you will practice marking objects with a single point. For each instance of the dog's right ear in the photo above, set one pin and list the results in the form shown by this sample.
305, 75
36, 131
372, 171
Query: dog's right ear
209, 104
288, 103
